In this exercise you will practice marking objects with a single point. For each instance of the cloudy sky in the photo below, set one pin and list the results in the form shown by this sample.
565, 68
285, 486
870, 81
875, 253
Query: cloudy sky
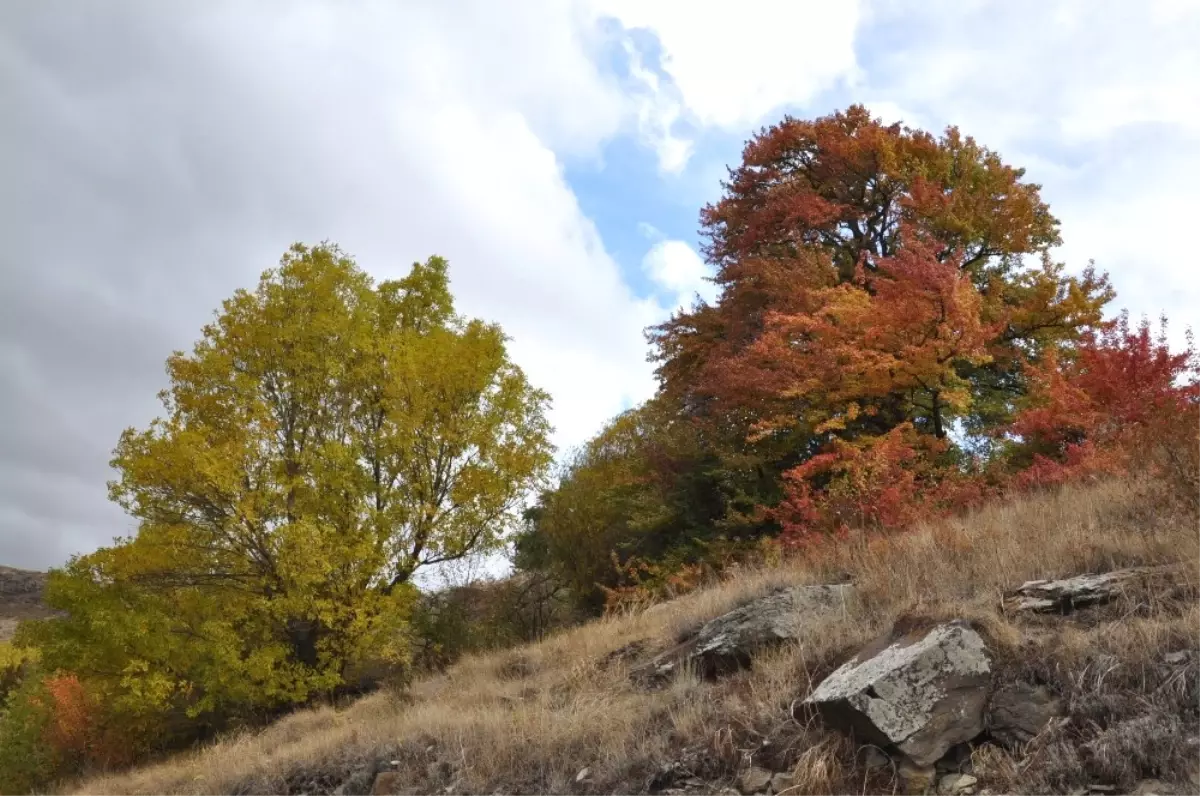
156, 156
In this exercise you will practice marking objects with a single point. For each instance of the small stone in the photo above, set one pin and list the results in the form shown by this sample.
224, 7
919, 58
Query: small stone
954, 784
874, 757
1172, 658
583, 774
917, 779
781, 782
1097, 788
756, 780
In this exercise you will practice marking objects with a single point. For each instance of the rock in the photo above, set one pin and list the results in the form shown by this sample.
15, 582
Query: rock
956, 784
730, 641
659, 671
781, 783
1153, 787
1018, 712
583, 774
755, 780
874, 757
1064, 596
924, 692
915, 778
1174, 658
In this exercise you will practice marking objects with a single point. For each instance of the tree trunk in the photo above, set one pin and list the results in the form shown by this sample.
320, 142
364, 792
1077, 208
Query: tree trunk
303, 633
938, 430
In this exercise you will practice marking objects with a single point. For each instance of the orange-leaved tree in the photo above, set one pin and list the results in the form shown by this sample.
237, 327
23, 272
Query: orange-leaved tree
872, 278
1120, 398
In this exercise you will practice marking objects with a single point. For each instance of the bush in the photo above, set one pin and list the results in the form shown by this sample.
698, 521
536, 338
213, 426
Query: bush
15, 665
487, 615
27, 761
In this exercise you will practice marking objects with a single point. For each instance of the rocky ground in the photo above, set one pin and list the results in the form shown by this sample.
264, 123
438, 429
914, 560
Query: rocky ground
1051, 645
933, 708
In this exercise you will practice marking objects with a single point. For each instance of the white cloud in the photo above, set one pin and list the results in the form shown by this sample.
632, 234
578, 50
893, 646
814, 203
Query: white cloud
732, 65
679, 271
157, 159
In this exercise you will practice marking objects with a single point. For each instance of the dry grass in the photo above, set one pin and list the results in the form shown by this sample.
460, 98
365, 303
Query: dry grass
528, 720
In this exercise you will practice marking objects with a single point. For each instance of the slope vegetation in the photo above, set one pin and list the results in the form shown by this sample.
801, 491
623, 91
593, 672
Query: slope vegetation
564, 715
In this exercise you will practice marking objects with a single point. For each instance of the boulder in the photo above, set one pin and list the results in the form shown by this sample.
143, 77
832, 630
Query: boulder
1018, 712
923, 692
1068, 594
730, 641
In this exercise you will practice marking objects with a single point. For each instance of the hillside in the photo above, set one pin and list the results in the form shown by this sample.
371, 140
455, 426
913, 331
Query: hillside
20, 598
1118, 681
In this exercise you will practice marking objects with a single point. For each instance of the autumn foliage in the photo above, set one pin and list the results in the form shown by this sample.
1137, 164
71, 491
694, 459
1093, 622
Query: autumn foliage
1122, 399
892, 341
326, 438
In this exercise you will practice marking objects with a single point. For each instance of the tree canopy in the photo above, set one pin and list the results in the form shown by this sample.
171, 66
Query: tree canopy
889, 338
324, 440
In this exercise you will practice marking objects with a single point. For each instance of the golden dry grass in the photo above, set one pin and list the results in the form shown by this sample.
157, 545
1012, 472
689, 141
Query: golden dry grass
528, 720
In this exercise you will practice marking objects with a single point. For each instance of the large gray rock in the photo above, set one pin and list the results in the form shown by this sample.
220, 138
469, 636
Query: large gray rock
730, 641
1063, 596
924, 692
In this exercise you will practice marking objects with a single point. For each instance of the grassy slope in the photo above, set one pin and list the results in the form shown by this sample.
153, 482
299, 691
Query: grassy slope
527, 720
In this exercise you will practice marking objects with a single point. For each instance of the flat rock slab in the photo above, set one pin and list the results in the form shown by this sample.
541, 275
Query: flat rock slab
1068, 594
730, 641
922, 693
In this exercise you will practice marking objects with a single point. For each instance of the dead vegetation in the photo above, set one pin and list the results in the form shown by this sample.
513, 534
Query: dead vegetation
563, 716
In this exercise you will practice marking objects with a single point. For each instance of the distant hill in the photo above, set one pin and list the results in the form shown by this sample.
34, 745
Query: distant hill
20, 598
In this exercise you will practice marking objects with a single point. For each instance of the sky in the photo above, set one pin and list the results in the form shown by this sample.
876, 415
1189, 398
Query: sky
155, 157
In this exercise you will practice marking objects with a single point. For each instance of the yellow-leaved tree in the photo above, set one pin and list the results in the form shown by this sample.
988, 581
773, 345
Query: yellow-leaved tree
325, 439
